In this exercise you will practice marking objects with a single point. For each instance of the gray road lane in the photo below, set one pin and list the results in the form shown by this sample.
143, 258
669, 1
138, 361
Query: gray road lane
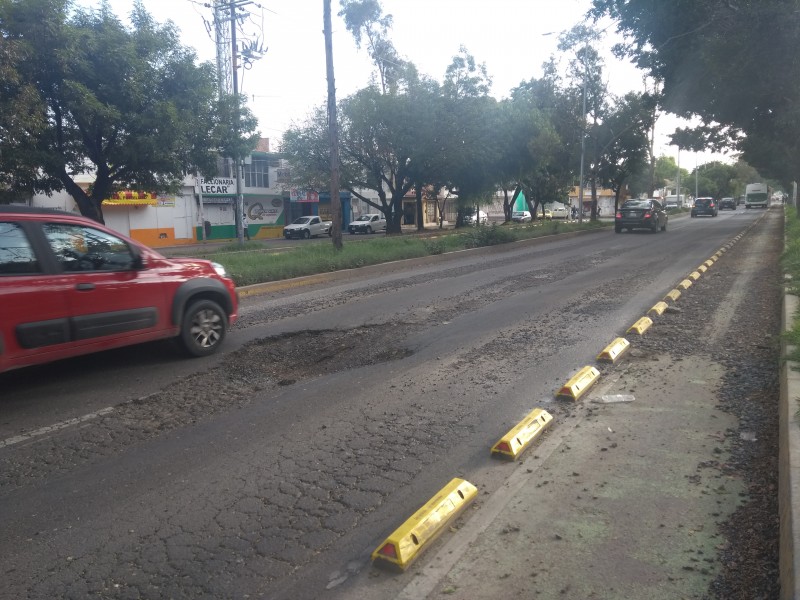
272, 489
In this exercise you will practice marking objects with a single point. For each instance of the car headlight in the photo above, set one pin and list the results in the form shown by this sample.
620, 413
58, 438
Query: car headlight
219, 269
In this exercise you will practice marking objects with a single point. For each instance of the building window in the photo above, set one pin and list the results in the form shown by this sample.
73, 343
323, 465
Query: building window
256, 174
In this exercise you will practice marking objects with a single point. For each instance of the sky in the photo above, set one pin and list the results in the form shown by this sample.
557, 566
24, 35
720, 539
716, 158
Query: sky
513, 38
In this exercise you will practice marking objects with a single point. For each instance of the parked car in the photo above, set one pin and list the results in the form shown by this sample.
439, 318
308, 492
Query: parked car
559, 212
727, 203
521, 216
71, 286
705, 206
307, 227
367, 224
641, 214
471, 219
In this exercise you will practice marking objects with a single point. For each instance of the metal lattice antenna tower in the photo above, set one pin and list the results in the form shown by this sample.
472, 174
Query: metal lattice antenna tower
222, 38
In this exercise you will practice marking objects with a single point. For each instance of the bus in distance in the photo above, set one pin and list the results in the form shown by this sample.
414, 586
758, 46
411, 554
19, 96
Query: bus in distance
756, 194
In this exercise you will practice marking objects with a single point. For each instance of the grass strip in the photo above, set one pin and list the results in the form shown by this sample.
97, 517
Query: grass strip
258, 264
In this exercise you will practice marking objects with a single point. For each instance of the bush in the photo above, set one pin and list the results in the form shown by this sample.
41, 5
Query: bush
488, 236
435, 247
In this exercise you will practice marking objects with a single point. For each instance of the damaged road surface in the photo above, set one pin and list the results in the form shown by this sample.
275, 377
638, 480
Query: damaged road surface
276, 468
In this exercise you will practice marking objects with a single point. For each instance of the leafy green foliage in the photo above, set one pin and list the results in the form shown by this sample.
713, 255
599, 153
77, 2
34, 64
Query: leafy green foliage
131, 105
732, 62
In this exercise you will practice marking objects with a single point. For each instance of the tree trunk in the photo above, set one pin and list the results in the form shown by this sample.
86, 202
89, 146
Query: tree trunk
393, 224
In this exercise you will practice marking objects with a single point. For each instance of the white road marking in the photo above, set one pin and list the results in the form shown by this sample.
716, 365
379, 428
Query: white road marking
55, 427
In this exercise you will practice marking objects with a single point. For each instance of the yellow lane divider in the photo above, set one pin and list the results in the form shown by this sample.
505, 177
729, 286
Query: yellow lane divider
517, 440
658, 309
641, 326
407, 542
673, 295
685, 284
614, 350
579, 384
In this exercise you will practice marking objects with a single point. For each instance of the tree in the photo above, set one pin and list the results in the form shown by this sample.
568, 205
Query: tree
625, 141
540, 130
376, 134
130, 106
586, 74
368, 25
730, 62
467, 121
715, 179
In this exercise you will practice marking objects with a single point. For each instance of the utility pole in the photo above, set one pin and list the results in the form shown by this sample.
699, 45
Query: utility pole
583, 140
333, 129
236, 119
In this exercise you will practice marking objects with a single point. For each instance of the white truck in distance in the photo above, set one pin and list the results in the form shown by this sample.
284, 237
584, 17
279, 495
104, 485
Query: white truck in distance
367, 224
307, 227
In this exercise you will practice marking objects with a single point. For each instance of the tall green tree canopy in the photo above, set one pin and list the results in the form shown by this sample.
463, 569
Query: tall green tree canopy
130, 105
731, 62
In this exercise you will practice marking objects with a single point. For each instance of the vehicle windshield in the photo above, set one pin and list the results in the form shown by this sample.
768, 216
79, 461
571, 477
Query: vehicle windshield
364, 218
519, 213
703, 201
637, 204
301, 221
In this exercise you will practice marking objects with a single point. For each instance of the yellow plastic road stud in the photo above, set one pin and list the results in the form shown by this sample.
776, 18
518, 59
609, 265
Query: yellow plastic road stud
702, 268
709, 263
517, 440
614, 350
406, 542
641, 325
673, 295
579, 384
694, 275
658, 309
685, 284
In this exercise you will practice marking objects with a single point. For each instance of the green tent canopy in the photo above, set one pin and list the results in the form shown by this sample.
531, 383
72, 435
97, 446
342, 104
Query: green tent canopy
521, 203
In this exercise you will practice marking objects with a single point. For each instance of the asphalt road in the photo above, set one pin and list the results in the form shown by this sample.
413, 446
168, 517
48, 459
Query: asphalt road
274, 468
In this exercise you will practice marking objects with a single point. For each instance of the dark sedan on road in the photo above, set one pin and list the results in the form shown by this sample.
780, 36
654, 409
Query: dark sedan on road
705, 206
727, 203
641, 214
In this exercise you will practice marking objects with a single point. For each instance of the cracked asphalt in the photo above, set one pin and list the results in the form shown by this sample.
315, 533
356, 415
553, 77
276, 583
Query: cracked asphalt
276, 470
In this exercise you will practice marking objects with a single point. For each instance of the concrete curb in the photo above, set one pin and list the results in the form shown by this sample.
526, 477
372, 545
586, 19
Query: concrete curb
789, 461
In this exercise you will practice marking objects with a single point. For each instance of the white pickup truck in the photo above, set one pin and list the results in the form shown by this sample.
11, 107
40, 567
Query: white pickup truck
307, 227
367, 224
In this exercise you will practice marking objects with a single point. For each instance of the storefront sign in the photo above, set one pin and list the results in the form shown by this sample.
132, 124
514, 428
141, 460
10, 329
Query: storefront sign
303, 196
218, 186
